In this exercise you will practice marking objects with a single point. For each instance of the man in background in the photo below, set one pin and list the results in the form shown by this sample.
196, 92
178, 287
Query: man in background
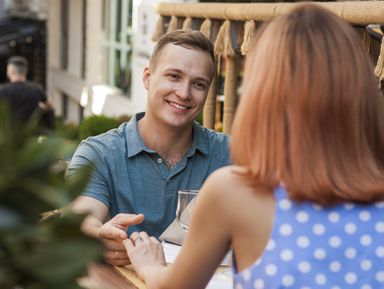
25, 99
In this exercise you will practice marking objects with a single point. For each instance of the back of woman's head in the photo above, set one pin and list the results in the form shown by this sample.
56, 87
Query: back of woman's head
311, 115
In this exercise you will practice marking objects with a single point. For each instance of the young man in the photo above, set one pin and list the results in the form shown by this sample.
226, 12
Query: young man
25, 98
140, 166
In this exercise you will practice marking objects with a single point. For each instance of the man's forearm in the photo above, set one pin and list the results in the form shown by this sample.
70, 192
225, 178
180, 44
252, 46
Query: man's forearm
97, 213
91, 226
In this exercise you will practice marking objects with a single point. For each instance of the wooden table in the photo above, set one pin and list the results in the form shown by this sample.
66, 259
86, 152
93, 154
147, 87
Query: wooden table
102, 276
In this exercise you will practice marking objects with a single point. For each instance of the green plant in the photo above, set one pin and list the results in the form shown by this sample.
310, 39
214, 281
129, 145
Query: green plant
123, 118
200, 118
68, 131
96, 124
38, 254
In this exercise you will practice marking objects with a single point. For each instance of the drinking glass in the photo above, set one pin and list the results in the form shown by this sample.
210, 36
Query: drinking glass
185, 201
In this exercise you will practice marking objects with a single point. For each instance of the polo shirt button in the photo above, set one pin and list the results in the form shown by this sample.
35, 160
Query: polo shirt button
159, 160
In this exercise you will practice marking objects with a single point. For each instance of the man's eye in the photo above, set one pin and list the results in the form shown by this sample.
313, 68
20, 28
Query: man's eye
201, 85
173, 76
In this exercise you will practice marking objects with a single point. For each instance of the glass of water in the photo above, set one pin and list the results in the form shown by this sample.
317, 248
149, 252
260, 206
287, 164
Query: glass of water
185, 201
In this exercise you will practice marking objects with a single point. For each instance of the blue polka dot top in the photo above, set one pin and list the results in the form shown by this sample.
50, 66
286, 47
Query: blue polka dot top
313, 247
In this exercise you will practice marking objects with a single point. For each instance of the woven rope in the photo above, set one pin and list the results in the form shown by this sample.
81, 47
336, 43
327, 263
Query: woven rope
249, 33
205, 28
356, 12
187, 24
230, 94
173, 24
210, 105
223, 43
379, 70
158, 29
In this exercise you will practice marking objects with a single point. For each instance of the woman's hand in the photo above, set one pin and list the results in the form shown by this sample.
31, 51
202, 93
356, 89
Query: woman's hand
144, 252
112, 233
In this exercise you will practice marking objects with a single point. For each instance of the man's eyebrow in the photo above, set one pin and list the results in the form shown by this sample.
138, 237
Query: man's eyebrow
177, 70
172, 69
203, 79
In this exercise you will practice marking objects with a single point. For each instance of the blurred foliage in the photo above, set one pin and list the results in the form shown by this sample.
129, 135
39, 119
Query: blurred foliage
124, 118
200, 118
90, 126
98, 124
37, 254
69, 131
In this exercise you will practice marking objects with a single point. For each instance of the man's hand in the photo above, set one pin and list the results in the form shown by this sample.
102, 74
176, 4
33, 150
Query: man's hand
113, 232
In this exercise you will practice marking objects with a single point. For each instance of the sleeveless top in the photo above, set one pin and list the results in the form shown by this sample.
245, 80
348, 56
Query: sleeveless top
313, 247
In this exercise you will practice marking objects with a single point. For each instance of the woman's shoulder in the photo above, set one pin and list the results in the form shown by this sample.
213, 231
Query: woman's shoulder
238, 201
229, 176
229, 173
233, 184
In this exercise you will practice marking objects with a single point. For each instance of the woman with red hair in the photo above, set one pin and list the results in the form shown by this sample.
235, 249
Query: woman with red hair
302, 206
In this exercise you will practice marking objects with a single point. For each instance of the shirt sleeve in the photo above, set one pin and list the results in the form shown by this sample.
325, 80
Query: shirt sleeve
221, 152
98, 185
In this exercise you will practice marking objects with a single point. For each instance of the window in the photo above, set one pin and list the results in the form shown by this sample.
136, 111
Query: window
64, 33
64, 105
84, 38
117, 43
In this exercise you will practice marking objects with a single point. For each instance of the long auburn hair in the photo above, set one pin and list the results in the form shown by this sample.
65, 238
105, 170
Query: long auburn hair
311, 115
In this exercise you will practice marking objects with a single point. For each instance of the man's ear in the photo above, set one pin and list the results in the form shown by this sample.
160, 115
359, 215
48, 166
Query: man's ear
146, 77
9, 71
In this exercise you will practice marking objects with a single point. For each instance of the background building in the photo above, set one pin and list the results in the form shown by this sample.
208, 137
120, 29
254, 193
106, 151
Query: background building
89, 54
97, 50
23, 32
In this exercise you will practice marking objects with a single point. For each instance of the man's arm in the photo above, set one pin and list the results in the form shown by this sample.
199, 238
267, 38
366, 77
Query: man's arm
112, 233
96, 201
97, 211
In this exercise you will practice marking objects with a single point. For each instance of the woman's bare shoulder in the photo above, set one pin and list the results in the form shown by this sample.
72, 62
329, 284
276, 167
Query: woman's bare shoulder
228, 174
231, 181
236, 199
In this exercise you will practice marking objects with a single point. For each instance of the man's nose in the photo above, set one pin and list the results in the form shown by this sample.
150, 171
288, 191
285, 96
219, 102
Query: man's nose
183, 91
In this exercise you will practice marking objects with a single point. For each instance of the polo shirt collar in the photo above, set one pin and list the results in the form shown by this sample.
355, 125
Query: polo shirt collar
135, 144
198, 141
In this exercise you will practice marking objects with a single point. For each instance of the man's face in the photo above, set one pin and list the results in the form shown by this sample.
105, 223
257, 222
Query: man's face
177, 85
10, 71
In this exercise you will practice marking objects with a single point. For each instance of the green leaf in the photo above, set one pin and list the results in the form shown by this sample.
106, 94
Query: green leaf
34, 254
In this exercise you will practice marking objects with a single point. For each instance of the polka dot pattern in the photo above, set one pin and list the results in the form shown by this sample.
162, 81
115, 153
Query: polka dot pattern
315, 247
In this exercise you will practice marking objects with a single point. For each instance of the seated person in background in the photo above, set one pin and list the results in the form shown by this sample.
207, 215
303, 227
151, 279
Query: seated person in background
26, 99
303, 206
140, 166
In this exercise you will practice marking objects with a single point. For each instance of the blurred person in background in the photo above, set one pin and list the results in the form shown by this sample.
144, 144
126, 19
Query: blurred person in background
25, 99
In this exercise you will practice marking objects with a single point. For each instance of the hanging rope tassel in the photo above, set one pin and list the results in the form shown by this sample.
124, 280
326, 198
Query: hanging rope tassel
205, 28
223, 43
379, 70
367, 42
173, 24
187, 24
249, 33
159, 29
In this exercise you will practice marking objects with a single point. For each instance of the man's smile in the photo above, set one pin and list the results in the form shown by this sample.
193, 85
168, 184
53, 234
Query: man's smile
177, 105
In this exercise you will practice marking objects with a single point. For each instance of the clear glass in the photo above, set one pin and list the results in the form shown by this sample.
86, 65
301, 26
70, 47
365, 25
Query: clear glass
185, 201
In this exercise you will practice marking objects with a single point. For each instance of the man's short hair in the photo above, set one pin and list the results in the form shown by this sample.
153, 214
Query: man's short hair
186, 38
20, 64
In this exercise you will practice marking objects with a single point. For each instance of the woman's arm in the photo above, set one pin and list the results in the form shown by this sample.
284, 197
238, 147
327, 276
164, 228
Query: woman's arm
206, 245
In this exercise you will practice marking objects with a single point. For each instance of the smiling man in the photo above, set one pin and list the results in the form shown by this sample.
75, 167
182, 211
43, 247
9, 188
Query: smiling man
140, 166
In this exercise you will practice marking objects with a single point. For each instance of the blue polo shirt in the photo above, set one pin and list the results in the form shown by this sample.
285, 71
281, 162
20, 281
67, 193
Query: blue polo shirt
128, 177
